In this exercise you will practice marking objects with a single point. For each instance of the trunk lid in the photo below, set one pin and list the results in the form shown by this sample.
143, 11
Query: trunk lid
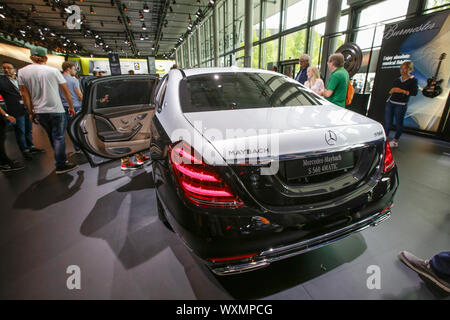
324, 152
272, 132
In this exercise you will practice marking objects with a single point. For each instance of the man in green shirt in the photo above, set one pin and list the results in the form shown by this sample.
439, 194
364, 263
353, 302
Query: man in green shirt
337, 85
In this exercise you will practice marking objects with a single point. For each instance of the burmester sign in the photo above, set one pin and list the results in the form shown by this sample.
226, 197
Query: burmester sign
395, 31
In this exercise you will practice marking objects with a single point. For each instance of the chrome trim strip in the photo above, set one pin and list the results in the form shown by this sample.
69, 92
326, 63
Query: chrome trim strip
308, 245
316, 239
258, 161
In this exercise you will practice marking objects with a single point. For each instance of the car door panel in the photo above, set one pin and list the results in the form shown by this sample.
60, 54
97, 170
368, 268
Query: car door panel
115, 122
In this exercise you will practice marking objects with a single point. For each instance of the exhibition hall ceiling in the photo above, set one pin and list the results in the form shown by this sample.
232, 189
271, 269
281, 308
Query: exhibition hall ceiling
130, 28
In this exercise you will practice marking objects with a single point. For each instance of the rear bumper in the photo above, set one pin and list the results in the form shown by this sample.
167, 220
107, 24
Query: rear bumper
265, 258
222, 238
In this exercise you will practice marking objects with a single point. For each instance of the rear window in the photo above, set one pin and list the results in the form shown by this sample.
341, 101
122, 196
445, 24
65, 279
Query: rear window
241, 90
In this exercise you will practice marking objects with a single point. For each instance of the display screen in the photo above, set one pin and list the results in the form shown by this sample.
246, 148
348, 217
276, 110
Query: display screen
242, 90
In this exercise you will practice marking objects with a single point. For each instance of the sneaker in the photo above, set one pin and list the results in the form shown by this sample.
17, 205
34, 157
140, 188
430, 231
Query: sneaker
423, 267
127, 166
27, 155
393, 144
142, 159
34, 150
12, 166
68, 166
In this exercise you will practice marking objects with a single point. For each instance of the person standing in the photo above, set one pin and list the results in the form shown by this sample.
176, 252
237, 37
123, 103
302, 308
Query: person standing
9, 89
403, 87
314, 82
39, 86
73, 85
6, 164
336, 90
302, 76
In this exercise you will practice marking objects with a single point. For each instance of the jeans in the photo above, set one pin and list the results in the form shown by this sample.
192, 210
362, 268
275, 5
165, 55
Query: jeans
24, 134
394, 110
3, 157
440, 264
77, 109
55, 125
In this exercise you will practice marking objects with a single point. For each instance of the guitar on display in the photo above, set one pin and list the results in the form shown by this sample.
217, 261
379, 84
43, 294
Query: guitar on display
433, 88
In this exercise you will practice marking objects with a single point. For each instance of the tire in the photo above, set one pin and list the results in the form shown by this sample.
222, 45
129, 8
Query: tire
162, 214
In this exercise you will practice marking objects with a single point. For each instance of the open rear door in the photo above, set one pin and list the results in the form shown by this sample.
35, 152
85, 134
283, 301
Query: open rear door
115, 118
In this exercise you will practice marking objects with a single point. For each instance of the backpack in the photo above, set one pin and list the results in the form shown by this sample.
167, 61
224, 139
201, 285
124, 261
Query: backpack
350, 93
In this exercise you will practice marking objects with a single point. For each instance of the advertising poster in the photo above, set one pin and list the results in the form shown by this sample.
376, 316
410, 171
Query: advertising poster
151, 65
114, 63
424, 41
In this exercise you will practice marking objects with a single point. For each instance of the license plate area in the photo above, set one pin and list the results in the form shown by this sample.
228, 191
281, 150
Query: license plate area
320, 165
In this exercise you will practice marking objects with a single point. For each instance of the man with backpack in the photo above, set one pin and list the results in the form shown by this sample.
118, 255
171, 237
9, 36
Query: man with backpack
338, 84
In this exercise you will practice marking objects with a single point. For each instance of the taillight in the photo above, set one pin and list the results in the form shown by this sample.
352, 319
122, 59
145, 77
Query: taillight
388, 159
246, 256
200, 183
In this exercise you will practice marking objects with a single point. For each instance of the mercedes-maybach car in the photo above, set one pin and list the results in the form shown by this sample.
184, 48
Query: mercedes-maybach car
249, 166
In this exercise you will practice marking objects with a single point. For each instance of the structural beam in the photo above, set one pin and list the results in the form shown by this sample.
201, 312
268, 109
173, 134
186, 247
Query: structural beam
248, 33
331, 27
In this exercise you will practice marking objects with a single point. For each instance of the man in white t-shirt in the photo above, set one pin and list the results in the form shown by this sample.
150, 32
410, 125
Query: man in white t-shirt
39, 85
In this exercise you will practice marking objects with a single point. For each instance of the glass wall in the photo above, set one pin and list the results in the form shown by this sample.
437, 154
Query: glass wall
228, 16
271, 18
193, 47
295, 13
292, 44
320, 9
386, 10
315, 43
269, 54
285, 29
221, 24
256, 20
430, 4
239, 23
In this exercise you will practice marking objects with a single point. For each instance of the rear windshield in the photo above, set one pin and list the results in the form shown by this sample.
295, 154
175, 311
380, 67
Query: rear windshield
241, 90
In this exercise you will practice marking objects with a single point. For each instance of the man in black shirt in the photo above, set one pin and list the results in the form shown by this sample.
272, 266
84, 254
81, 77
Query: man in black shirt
9, 89
403, 87
6, 164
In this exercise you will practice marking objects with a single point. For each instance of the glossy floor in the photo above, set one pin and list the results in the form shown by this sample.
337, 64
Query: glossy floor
105, 222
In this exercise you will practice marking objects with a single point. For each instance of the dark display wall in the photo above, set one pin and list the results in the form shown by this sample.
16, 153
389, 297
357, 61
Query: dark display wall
422, 40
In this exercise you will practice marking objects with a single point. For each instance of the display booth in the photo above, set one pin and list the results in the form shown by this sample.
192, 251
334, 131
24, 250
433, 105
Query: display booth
424, 41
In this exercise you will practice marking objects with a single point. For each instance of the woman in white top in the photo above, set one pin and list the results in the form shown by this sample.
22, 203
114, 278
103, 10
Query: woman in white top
314, 82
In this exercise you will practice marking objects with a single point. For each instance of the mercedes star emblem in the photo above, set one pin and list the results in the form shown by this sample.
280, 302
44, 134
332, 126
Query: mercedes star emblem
331, 137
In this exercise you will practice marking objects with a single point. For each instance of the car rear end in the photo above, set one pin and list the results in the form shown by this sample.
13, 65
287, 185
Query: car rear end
237, 217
